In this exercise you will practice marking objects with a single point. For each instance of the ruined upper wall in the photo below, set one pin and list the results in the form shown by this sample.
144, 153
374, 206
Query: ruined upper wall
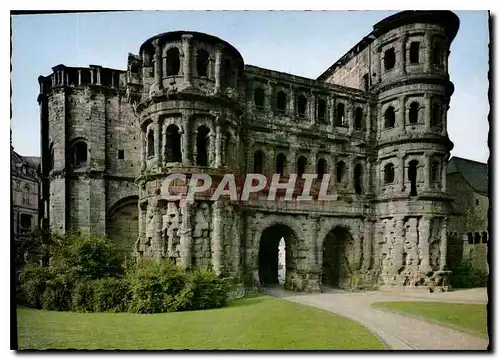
363, 66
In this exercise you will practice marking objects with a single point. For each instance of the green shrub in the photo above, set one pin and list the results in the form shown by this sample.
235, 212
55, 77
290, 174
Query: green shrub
110, 294
33, 278
154, 286
204, 289
57, 294
466, 276
82, 296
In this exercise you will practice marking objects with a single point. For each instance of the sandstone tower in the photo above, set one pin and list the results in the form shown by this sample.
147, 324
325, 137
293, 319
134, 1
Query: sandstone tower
375, 121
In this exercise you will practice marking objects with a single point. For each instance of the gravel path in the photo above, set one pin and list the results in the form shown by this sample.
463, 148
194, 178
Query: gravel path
398, 332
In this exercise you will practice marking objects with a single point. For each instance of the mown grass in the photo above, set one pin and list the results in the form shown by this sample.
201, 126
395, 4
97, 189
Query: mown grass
257, 323
471, 318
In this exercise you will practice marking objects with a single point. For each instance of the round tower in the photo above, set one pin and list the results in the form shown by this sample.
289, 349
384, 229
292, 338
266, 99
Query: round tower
410, 56
187, 89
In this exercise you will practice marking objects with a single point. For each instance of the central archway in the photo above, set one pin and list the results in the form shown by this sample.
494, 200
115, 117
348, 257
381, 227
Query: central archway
270, 272
337, 248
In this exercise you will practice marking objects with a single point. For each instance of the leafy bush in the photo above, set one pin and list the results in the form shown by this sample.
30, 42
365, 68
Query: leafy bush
110, 294
82, 296
154, 286
203, 290
33, 278
466, 276
57, 294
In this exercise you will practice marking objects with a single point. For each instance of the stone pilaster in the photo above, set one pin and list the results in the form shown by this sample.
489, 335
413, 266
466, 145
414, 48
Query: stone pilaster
368, 121
423, 244
428, 52
218, 64
427, 170
79, 77
217, 237
402, 113
218, 145
92, 75
143, 150
368, 177
350, 168
313, 108
402, 51
367, 244
158, 248
158, 142
291, 104
98, 77
349, 114
158, 65
401, 159
331, 114
444, 187
398, 246
185, 233
443, 244
187, 65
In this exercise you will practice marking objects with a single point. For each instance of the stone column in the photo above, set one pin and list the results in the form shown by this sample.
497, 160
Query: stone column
79, 76
443, 244
427, 170
158, 248
368, 176
350, 115
268, 93
291, 104
186, 238
331, 114
92, 76
333, 172
217, 237
143, 150
158, 142
112, 79
402, 51
218, 62
312, 163
428, 112
428, 52
367, 244
292, 163
368, 121
98, 70
212, 146
350, 181
424, 229
157, 66
398, 246
402, 116
185, 132
186, 48
313, 108
63, 78
218, 145
444, 175
401, 171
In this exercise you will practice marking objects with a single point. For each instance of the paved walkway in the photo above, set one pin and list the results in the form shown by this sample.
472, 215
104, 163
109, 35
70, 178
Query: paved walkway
398, 332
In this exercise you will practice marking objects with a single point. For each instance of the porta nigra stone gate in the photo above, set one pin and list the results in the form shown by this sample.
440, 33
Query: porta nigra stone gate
375, 121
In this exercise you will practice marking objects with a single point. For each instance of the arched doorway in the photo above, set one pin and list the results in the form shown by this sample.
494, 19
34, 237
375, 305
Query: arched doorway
270, 272
123, 225
337, 248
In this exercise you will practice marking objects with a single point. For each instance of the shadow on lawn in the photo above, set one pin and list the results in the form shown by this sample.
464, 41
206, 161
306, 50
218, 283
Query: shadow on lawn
250, 300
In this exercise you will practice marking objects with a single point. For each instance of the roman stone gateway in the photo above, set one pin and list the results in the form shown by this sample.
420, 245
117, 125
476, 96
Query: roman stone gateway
187, 103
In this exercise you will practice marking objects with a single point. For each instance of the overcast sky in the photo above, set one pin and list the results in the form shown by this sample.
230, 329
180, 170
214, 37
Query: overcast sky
301, 43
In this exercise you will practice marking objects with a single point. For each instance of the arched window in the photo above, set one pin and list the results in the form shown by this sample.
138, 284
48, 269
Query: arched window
321, 110
25, 222
389, 118
358, 118
414, 52
340, 171
202, 62
388, 173
281, 102
435, 172
301, 166
79, 153
202, 145
321, 168
470, 238
340, 118
389, 59
413, 113
280, 164
412, 176
358, 178
484, 237
258, 97
477, 238
151, 143
26, 195
258, 162
173, 61
173, 144
436, 115
302, 105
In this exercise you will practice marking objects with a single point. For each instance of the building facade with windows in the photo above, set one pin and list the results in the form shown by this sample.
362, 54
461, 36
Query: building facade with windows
25, 186
469, 226
375, 121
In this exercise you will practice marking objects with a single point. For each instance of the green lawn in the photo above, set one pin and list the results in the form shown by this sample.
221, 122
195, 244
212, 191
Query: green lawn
468, 317
260, 322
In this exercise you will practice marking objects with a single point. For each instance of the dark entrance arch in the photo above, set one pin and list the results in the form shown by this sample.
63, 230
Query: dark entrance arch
123, 225
336, 249
269, 252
